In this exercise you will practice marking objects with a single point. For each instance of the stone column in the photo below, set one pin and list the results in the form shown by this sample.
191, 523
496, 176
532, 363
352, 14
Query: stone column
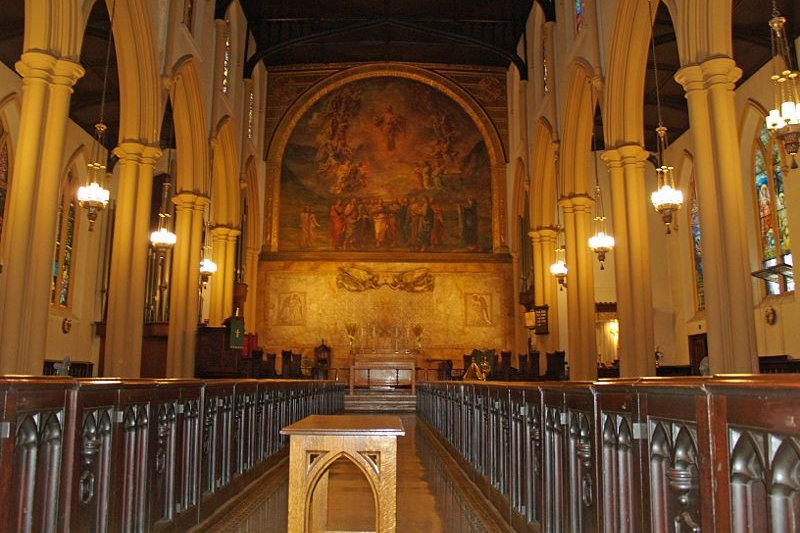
580, 287
185, 283
632, 259
229, 271
545, 285
30, 231
728, 285
251, 278
224, 252
125, 322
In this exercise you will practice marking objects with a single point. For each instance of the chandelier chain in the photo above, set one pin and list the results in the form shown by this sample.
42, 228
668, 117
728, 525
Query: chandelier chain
655, 62
108, 61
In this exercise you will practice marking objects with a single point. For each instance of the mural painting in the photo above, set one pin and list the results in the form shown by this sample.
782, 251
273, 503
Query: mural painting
386, 163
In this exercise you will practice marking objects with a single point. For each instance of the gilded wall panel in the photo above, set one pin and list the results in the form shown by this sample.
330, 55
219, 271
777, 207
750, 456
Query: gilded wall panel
469, 306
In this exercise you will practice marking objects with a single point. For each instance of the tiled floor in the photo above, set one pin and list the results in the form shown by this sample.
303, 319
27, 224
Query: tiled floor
432, 496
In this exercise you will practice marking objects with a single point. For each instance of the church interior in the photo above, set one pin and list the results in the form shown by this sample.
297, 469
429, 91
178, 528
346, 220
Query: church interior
552, 237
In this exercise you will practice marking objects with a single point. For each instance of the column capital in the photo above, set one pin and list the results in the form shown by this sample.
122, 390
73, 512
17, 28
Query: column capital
134, 152
691, 78
625, 154
67, 73
720, 71
44, 66
223, 232
189, 200
544, 233
582, 202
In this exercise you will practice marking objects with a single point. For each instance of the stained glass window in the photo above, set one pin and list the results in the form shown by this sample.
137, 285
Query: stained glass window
697, 250
251, 113
773, 223
226, 58
188, 13
64, 255
545, 63
579, 8
4, 177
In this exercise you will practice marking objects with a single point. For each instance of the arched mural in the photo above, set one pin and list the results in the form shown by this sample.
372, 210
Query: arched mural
386, 163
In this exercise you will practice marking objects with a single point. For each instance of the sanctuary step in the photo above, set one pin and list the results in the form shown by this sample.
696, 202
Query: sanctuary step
387, 400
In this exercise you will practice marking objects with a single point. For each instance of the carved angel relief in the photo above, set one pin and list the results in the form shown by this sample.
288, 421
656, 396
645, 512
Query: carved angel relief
356, 279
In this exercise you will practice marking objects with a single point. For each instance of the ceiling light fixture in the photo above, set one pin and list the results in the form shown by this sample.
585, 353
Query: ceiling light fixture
666, 198
94, 197
783, 120
601, 242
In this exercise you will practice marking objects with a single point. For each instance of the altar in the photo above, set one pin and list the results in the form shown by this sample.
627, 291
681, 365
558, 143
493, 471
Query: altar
383, 370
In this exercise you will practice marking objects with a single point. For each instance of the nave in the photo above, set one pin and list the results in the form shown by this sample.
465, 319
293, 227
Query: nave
433, 495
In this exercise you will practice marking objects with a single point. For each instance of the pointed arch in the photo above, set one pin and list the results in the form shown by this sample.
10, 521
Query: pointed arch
190, 129
9, 114
140, 88
543, 176
321, 466
225, 195
54, 27
576, 141
253, 208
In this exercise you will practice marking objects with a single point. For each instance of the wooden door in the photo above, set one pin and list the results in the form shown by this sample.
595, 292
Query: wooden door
698, 349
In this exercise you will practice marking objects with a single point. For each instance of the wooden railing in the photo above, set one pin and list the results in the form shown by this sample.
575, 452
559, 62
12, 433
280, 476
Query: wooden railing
140, 455
672, 454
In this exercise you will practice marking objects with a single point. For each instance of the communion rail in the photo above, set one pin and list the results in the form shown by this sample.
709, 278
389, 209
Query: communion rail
663, 454
140, 454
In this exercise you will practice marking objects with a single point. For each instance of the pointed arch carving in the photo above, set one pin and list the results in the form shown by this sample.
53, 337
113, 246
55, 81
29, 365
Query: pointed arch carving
320, 466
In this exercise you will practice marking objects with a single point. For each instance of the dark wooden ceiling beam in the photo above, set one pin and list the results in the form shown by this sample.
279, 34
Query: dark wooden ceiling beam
508, 54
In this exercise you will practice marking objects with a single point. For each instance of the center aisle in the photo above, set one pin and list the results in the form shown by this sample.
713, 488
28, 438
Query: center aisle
433, 496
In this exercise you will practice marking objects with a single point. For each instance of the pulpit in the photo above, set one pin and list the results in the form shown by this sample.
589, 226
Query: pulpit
370, 441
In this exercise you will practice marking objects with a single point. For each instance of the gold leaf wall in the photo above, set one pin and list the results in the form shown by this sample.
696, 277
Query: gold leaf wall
470, 306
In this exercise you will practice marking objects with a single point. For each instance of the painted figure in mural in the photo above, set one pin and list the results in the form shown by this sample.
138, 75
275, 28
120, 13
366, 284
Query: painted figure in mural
338, 224
468, 223
419, 176
308, 227
364, 229
437, 231
292, 309
380, 222
351, 216
391, 125
421, 223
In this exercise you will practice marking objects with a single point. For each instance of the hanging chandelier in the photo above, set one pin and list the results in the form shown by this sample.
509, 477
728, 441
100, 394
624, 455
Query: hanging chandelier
666, 198
559, 268
601, 242
783, 120
92, 196
207, 268
163, 239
